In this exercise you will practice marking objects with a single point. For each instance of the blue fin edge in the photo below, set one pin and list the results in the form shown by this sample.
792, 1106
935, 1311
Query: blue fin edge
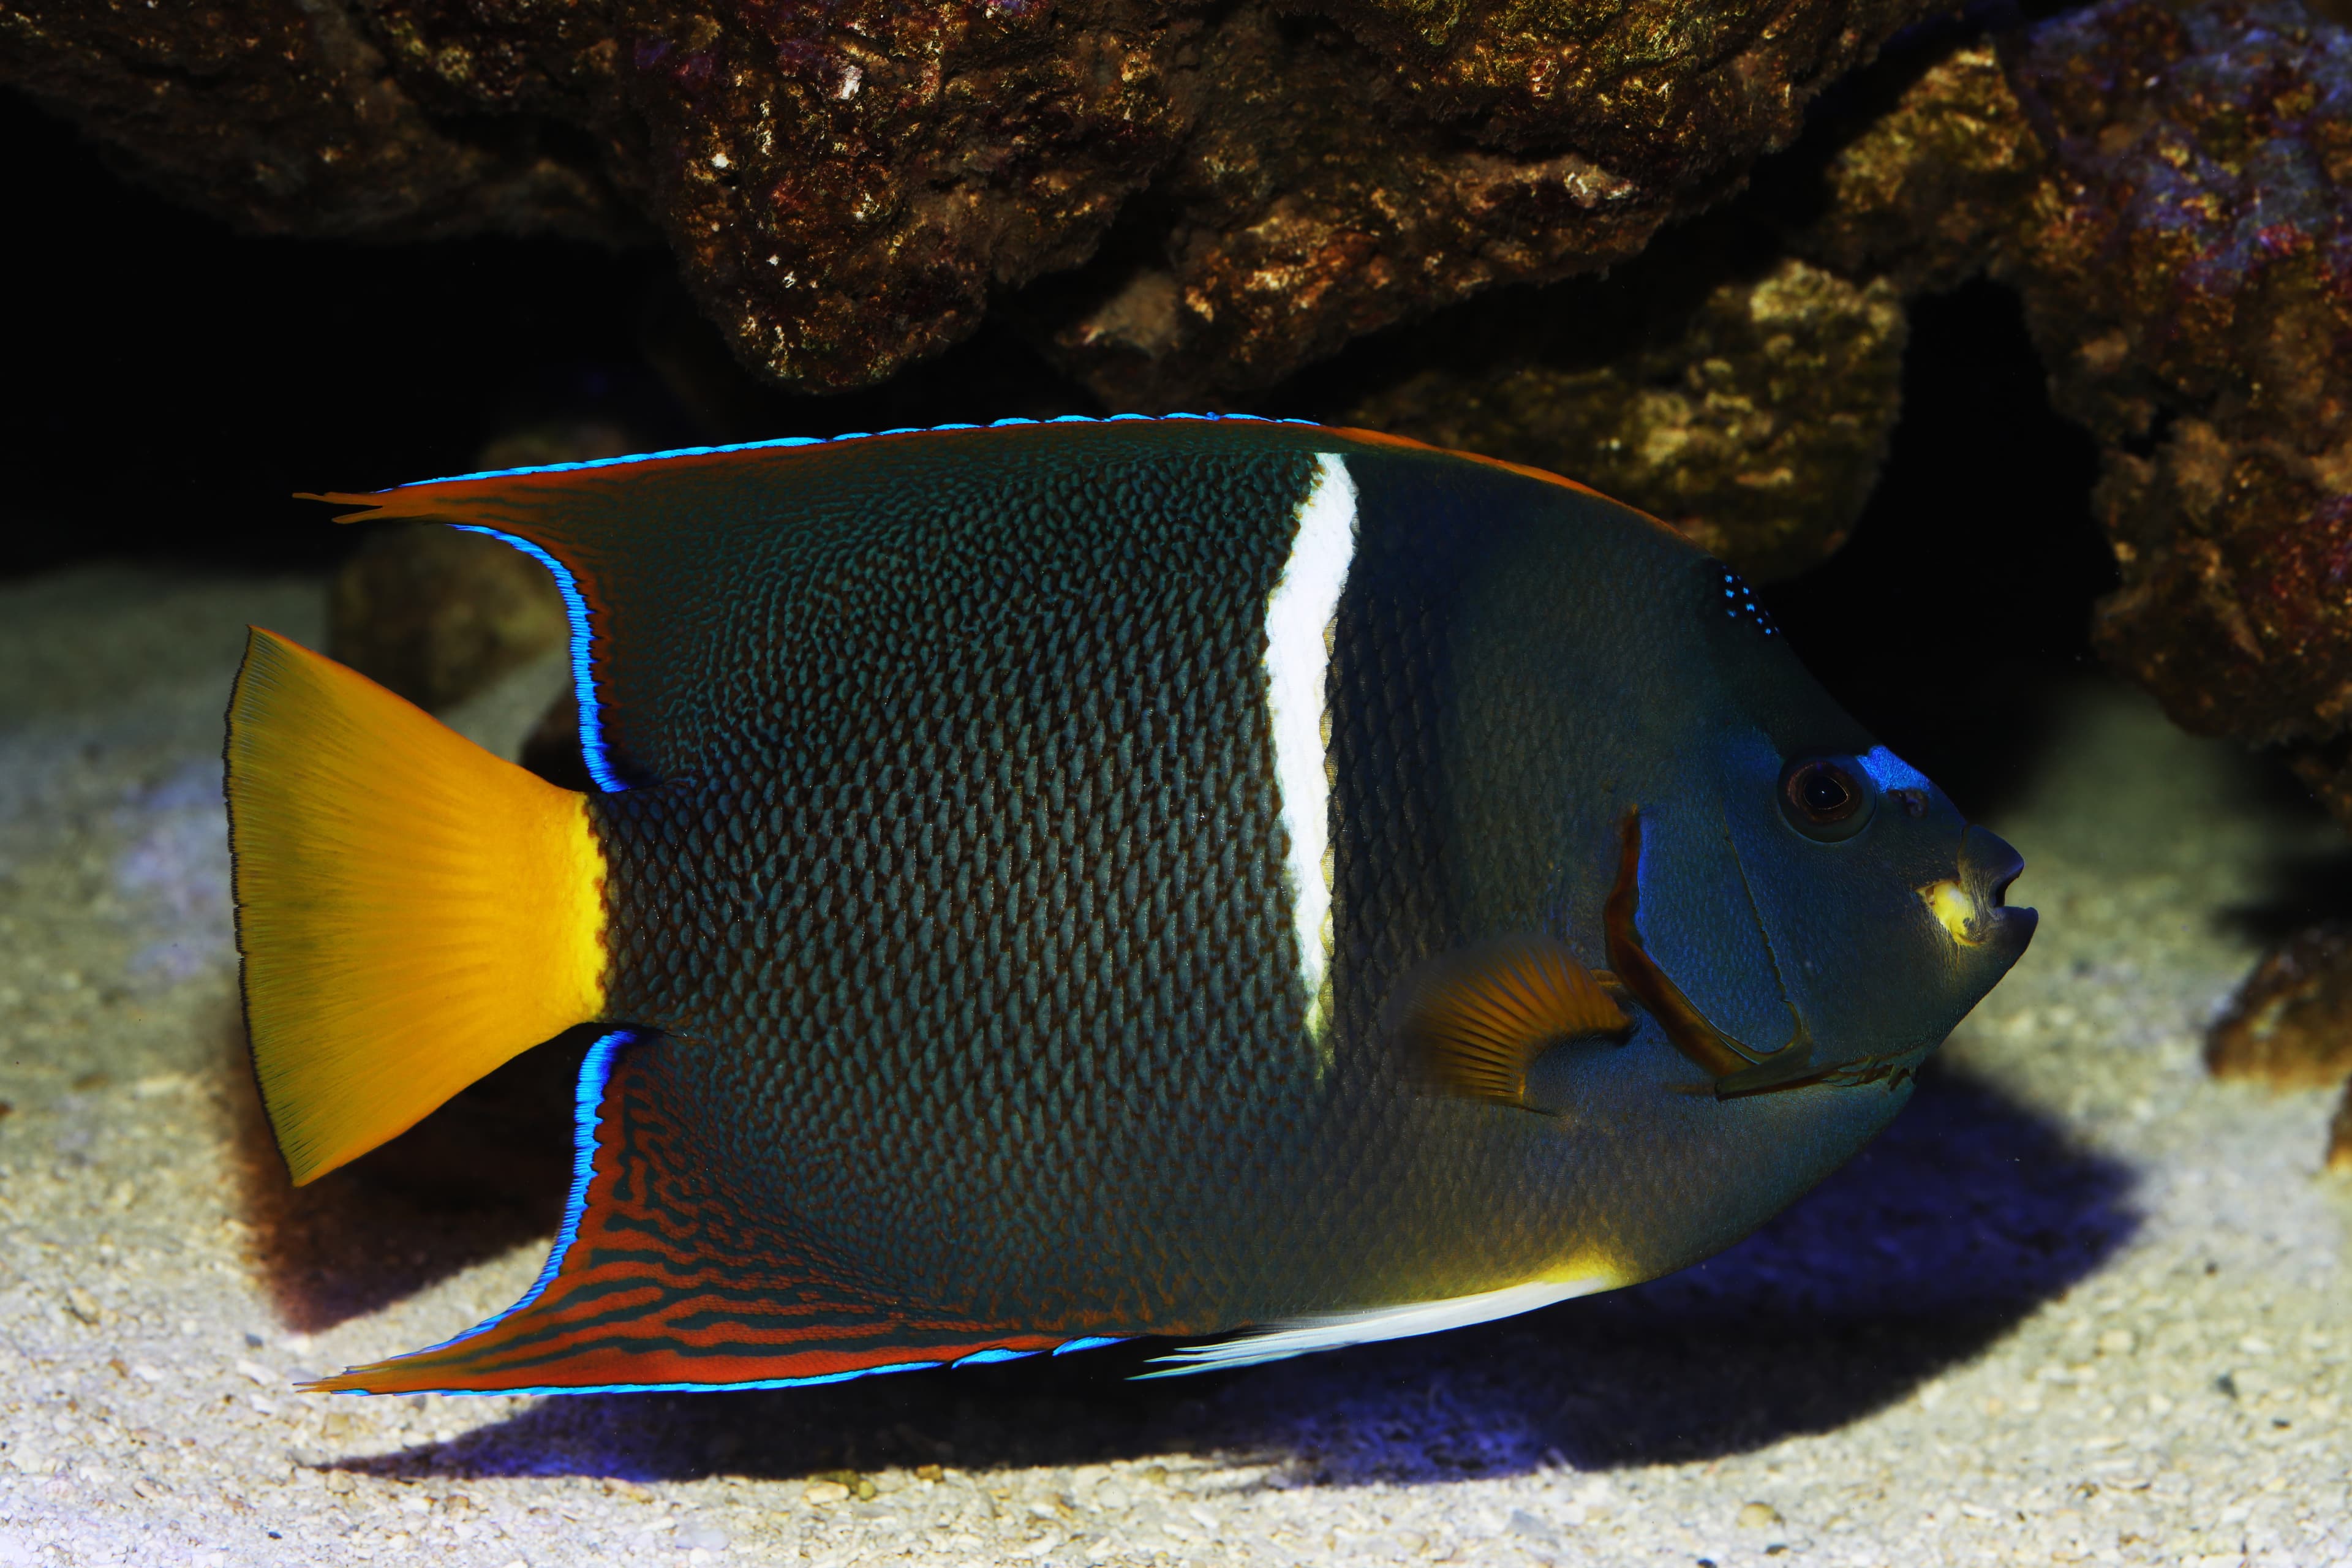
593, 750
782, 441
587, 1098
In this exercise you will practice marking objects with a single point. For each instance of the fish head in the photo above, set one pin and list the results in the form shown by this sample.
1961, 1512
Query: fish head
1879, 913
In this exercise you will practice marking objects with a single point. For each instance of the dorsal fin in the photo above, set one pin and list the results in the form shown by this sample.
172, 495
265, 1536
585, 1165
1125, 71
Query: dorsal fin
651, 553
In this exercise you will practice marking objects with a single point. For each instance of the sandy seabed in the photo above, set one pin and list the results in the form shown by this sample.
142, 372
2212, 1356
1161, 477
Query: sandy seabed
2080, 1304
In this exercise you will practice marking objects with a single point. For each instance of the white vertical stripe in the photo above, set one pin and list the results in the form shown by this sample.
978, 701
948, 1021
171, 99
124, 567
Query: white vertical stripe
1298, 614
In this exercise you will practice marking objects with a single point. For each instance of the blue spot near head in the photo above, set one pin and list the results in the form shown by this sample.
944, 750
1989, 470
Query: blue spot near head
1741, 604
593, 750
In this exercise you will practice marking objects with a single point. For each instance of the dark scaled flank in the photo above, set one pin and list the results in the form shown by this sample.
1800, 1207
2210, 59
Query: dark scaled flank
981, 980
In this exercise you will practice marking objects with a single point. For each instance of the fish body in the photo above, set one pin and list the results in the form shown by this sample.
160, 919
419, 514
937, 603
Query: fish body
1056, 883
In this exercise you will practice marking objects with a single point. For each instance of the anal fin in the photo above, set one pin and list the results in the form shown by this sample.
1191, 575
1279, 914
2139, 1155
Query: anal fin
660, 1280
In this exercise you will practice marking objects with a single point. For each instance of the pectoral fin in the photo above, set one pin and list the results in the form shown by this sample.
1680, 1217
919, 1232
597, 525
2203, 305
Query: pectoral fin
1475, 1022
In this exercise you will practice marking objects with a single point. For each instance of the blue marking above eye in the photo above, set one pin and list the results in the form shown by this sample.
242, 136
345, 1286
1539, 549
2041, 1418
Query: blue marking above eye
1889, 771
1740, 603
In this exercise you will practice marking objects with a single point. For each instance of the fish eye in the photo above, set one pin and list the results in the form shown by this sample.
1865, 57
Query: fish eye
1826, 800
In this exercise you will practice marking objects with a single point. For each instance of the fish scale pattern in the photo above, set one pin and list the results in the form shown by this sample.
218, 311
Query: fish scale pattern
1395, 765
1389, 881
949, 916
973, 907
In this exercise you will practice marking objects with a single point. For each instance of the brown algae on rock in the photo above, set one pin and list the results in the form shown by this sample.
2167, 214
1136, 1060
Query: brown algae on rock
2290, 1025
849, 187
1757, 429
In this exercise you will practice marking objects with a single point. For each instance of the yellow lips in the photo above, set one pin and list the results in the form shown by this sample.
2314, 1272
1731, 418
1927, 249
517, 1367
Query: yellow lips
1957, 912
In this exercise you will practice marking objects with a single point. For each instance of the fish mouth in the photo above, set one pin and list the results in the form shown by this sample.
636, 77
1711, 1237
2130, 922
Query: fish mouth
1972, 906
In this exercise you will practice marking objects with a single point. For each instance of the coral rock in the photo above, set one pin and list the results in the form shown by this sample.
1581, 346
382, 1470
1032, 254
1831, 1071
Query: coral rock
849, 185
287, 117
2290, 1025
437, 615
2164, 183
1755, 422
1930, 189
2204, 249
1340, 179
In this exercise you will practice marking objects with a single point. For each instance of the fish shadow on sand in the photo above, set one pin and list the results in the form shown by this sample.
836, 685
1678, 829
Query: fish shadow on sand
1959, 1221
486, 1173
2305, 889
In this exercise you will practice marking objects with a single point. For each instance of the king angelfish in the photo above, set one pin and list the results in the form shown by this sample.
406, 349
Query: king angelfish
1268, 886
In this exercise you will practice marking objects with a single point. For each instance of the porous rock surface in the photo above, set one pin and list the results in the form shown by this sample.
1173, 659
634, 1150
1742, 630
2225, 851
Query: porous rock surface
2287, 1025
848, 183
2165, 184
287, 118
436, 614
1754, 419
2290, 1025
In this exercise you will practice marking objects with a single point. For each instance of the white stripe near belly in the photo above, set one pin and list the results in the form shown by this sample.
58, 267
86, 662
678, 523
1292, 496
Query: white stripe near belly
1298, 617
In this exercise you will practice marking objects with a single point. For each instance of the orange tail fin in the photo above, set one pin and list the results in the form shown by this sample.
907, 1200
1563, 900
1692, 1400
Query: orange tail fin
412, 910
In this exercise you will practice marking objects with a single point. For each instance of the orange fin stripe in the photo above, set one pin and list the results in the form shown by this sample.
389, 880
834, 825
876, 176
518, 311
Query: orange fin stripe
1525, 470
669, 1281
